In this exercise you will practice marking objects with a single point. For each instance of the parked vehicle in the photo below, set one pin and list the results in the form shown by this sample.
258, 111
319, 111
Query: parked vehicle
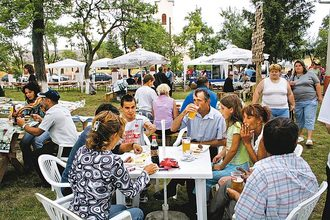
4, 78
55, 78
100, 77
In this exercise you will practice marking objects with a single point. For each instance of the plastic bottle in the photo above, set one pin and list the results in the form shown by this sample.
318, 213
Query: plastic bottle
154, 151
136, 133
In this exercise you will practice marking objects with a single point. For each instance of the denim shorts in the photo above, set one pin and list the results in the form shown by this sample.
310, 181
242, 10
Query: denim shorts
306, 114
280, 112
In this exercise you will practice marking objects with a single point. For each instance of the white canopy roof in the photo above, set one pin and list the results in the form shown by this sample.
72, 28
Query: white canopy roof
100, 63
138, 58
232, 54
67, 63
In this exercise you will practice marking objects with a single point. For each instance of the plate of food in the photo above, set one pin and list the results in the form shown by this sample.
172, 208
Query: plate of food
199, 148
136, 159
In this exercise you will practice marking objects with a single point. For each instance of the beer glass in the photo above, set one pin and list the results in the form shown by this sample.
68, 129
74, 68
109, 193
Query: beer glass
186, 145
237, 181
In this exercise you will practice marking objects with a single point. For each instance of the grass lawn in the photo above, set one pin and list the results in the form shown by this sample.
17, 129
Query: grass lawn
17, 200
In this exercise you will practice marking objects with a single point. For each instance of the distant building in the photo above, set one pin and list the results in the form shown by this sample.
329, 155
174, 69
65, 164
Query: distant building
165, 13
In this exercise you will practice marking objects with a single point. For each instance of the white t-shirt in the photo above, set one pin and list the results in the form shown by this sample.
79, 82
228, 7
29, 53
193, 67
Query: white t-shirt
133, 136
58, 122
144, 97
324, 115
275, 95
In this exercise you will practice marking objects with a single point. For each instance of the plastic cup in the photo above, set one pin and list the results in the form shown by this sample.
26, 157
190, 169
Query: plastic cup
186, 145
237, 181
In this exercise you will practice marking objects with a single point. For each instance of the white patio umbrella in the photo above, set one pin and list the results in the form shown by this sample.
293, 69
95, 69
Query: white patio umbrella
100, 63
138, 58
231, 54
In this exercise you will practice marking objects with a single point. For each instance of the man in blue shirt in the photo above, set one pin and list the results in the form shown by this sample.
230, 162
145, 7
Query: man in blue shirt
202, 83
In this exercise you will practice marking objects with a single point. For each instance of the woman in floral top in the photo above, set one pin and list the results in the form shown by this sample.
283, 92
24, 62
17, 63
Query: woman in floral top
96, 172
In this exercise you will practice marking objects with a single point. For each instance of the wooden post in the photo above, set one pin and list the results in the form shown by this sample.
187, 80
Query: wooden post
258, 41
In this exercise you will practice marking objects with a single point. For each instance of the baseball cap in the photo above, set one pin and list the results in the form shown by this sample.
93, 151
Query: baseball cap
51, 94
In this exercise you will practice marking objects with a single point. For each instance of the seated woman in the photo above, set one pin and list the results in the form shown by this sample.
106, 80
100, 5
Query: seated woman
96, 172
254, 118
164, 107
33, 106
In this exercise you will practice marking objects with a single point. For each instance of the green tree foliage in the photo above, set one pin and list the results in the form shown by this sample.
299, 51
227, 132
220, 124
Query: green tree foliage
321, 43
104, 17
285, 24
197, 36
68, 54
109, 48
19, 15
150, 35
235, 29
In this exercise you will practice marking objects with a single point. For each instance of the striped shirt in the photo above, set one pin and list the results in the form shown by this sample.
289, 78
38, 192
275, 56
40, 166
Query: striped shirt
276, 186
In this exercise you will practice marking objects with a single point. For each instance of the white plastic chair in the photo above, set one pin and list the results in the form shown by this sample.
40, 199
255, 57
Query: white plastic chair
146, 139
54, 210
305, 208
298, 150
58, 209
49, 169
179, 138
60, 151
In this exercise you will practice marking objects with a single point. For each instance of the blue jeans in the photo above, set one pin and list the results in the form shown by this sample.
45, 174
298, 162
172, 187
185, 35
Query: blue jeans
37, 142
280, 112
136, 213
218, 174
306, 114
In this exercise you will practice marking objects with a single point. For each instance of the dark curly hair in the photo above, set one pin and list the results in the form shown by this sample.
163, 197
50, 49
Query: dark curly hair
256, 110
30, 68
33, 87
108, 124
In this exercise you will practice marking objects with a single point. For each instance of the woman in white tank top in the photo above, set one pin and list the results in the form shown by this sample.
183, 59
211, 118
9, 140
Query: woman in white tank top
275, 92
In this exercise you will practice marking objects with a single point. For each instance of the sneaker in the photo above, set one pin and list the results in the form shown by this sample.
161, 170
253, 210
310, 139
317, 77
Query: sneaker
309, 143
300, 139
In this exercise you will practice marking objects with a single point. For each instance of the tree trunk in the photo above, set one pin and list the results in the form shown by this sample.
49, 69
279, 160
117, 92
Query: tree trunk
38, 29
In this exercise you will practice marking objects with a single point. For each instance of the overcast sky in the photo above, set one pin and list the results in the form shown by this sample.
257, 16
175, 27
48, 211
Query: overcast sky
210, 15
211, 9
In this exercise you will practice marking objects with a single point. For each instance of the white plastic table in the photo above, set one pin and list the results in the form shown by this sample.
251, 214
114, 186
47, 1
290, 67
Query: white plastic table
200, 169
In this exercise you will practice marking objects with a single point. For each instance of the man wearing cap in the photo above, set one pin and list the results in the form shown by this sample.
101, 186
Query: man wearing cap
57, 122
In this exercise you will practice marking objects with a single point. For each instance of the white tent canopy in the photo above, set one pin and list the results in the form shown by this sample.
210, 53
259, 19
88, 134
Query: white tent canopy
100, 63
232, 54
138, 58
68, 63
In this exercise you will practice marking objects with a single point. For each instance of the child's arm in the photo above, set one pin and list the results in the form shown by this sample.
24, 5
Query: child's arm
220, 155
230, 154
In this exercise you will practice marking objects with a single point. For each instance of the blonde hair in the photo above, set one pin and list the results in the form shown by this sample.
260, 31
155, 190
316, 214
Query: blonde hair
104, 126
275, 67
163, 89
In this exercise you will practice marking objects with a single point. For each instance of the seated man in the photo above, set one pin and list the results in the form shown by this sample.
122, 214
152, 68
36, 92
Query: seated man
136, 124
57, 121
277, 184
208, 127
202, 83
